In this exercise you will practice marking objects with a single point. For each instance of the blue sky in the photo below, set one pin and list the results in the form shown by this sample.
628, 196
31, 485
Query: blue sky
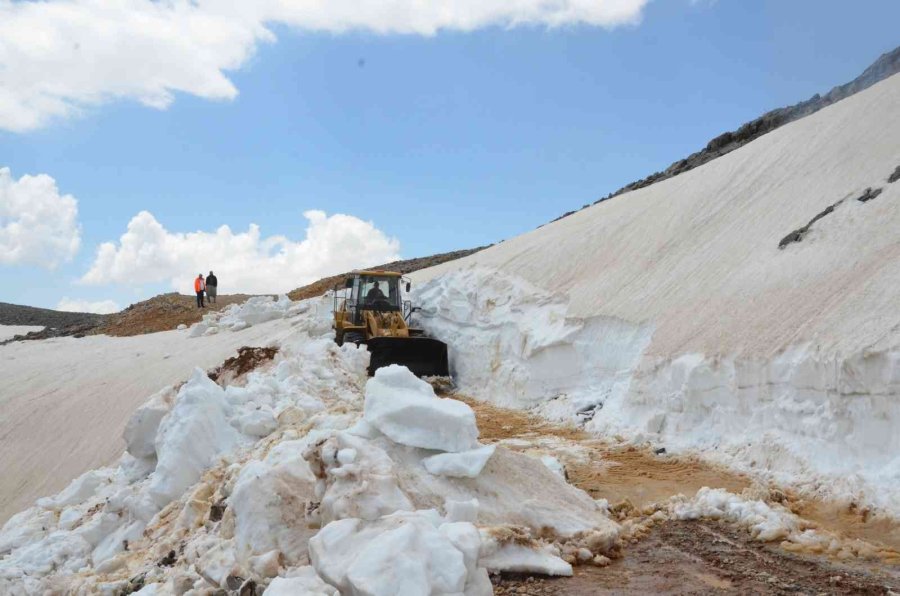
442, 142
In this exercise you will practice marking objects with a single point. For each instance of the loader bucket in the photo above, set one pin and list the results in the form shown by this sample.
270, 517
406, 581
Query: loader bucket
423, 356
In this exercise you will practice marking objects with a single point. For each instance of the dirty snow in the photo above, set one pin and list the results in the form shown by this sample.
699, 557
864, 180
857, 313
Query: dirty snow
66, 401
381, 495
670, 314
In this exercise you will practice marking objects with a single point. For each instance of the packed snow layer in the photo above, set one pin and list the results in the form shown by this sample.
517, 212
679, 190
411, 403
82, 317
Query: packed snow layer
671, 314
10, 331
65, 401
202, 501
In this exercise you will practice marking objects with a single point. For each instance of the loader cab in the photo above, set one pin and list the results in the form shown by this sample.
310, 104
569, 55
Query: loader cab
373, 290
378, 292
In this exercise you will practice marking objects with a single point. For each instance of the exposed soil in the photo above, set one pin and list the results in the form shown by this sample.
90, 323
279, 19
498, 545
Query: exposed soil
688, 557
707, 557
247, 360
162, 313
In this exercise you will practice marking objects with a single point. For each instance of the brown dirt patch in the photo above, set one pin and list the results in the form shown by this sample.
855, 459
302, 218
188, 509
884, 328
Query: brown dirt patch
687, 557
247, 360
706, 557
495, 423
162, 313
641, 477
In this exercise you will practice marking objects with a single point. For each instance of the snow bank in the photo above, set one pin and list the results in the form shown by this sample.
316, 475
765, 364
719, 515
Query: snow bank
380, 484
514, 344
256, 310
670, 313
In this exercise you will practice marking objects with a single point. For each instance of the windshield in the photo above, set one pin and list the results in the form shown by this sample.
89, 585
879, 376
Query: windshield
380, 292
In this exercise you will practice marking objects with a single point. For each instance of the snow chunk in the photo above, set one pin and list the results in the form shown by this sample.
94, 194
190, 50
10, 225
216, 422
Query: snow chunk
466, 464
270, 501
764, 523
403, 553
553, 465
78, 490
190, 438
140, 432
519, 558
302, 581
457, 511
257, 423
406, 409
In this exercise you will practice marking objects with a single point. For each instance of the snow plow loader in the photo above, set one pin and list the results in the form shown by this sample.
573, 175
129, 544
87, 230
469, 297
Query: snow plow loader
369, 310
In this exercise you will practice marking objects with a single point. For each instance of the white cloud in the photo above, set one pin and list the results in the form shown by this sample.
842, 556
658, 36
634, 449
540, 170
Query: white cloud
244, 262
102, 307
38, 226
59, 56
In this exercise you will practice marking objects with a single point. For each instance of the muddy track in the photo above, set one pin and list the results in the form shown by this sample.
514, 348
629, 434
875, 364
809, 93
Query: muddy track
687, 557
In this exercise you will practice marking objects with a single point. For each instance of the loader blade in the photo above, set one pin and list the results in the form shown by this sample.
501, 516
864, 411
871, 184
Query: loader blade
423, 356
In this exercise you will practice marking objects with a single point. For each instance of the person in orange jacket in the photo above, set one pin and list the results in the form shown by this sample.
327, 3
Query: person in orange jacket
200, 287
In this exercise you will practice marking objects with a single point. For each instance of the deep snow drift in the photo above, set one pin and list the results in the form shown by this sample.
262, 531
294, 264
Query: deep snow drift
65, 401
308, 472
670, 313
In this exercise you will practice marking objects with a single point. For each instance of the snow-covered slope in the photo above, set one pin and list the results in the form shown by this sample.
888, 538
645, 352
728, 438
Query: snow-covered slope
65, 401
672, 313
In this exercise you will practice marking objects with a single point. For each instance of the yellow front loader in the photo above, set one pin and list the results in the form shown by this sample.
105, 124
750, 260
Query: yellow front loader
369, 310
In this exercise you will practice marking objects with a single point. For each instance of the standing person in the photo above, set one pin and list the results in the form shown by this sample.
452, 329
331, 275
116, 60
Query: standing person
200, 287
212, 282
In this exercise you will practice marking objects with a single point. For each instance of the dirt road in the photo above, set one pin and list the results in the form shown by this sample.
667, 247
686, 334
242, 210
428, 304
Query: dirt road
691, 557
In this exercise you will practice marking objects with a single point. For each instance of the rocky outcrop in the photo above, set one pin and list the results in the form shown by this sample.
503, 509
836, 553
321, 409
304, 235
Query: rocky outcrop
56, 323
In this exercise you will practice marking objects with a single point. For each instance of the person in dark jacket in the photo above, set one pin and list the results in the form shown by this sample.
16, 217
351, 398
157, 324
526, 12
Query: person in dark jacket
212, 284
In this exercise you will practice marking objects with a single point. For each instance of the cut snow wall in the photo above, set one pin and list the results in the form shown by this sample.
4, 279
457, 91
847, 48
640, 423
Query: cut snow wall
808, 417
513, 344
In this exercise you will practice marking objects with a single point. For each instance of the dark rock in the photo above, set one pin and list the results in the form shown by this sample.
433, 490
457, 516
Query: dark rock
659, 451
216, 511
248, 589
168, 560
895, 176
234, 582
868, 195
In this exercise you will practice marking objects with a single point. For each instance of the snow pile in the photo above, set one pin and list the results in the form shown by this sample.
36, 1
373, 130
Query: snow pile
256, 310
670, 313
227, 488
769, 522
511, 343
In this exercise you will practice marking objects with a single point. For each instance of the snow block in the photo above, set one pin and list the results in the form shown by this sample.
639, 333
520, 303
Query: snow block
270, 500
406, 410
190, 438
402, 553
465, 464
140, 432
302, 581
